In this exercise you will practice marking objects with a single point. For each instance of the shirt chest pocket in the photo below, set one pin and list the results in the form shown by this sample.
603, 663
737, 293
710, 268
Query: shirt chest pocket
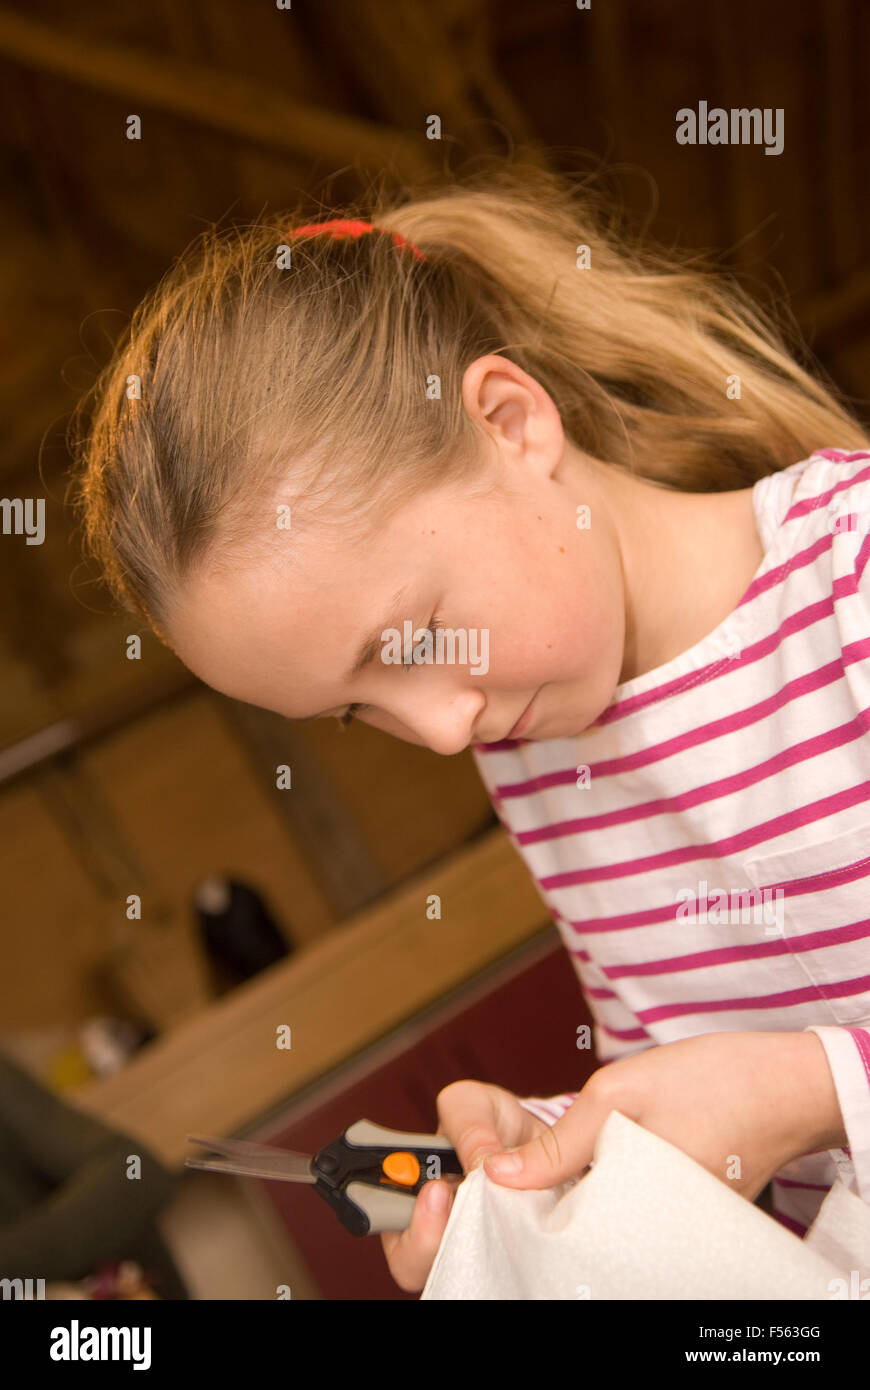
821, 894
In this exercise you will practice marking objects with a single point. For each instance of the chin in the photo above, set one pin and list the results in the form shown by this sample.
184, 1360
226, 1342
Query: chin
567, 728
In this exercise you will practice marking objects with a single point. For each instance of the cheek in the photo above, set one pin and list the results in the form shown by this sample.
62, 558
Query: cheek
555, 612
578, 625
576, 640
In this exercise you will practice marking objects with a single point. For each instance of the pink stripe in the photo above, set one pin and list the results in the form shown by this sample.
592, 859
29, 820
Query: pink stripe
836, 456
842, 587
812, 883
791, 1225
825, 742
645, 917
796, 622
821, 499
727, 955
783, 1000
862, 1042
779, 573
810, 1186
544, 1105
715, 849
839, 456
624, 1034
794, 689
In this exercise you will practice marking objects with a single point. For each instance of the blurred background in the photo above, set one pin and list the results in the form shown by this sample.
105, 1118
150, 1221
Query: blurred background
123, 1029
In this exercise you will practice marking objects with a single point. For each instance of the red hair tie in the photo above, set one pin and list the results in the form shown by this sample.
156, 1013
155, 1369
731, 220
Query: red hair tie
347, 227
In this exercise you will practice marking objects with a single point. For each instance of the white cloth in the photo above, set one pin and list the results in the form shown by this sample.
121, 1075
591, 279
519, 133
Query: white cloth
645, 1222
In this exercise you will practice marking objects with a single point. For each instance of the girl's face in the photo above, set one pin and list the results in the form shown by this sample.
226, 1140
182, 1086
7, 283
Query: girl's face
540, 600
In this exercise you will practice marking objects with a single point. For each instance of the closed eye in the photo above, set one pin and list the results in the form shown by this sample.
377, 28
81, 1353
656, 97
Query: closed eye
347, 717
344, 719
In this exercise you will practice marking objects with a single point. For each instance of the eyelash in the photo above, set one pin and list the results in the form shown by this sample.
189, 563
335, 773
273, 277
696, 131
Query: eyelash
352, 710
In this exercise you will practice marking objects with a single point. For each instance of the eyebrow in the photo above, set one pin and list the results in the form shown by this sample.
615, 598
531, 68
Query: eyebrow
369, 647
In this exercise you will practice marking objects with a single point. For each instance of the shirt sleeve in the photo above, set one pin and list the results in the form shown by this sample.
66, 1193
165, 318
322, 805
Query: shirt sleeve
550, 1109
848, 1053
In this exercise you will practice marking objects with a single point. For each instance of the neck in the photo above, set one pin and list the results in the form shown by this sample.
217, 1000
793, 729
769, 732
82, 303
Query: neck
687, 559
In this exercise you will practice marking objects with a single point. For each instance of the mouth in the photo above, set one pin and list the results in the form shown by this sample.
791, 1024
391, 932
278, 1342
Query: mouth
524, 719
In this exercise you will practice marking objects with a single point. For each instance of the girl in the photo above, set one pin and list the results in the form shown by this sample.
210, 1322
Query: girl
487, 412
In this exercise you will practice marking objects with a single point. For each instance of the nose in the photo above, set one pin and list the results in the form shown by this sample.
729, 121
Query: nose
443, 720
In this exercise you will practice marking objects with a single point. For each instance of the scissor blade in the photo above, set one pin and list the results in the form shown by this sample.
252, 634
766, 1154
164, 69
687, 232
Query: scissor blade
254, 1170
238, 1157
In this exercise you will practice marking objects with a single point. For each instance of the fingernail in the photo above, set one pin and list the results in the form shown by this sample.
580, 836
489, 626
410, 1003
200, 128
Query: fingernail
509, 1162
478, 1159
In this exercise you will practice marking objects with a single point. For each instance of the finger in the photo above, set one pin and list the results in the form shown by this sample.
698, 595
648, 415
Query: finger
475, 1116
561, 1151
411, 1253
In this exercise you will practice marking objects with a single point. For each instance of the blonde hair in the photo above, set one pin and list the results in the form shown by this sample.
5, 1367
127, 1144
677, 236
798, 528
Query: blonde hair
308, 384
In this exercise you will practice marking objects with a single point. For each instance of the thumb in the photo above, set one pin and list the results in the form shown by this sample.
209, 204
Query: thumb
562, 1151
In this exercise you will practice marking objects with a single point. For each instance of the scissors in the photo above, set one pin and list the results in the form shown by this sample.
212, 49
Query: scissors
370, 1176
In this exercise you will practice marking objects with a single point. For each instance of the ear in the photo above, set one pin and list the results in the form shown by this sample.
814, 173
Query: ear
515, 411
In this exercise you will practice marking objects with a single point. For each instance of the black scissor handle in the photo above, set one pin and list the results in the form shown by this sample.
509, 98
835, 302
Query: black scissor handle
351, 1176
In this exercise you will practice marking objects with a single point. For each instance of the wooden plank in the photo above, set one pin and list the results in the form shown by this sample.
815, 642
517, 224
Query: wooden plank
246, 108
786, 230
838, 209
335, 850
831, 317
607, 37
737, 198
94, 718
483, 76
411, 805
56, 927
192, 806
222, 1070
408, 45
415, 59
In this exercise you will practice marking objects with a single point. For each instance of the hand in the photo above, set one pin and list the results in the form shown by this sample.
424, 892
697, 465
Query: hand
478, 1119
760, 1098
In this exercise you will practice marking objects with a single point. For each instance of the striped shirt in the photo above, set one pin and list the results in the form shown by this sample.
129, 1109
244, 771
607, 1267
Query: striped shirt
704, 846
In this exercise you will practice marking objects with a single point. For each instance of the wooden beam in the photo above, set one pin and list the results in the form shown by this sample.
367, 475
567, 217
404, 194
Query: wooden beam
841, 43
243, 107
328, 835
81, 728
415, 60
831, 318
484, 78
222, 1070
406, 45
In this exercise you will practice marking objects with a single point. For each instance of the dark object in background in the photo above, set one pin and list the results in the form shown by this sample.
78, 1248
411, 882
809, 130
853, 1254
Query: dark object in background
107, 1044
238, 932
66, 1203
